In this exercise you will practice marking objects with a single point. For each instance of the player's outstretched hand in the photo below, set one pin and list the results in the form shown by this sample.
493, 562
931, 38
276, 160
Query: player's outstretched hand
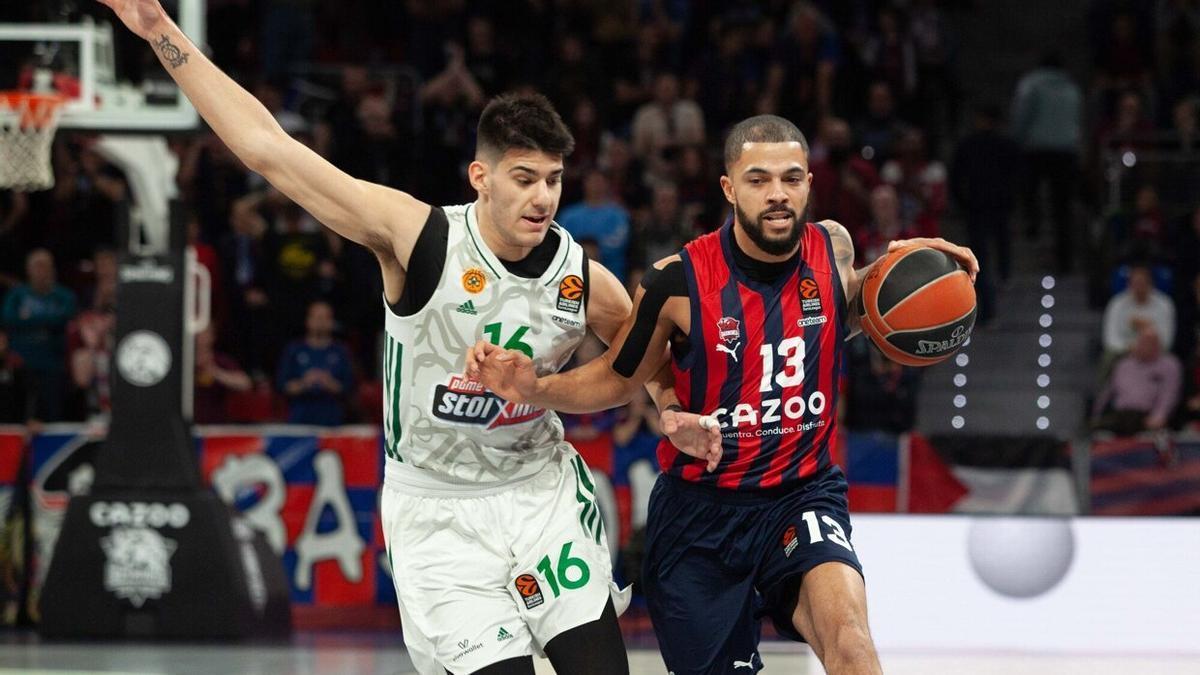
695, 435
143, 17
506, 372
962, 254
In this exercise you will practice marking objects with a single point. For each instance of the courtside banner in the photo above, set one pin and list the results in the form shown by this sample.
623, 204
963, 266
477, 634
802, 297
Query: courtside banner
1153, 476
12, 563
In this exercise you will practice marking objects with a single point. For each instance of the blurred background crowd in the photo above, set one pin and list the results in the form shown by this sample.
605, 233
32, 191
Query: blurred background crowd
1096, 156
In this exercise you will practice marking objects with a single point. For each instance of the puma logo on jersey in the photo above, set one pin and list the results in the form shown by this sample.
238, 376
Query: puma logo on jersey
728, 350
464, 401
745, 664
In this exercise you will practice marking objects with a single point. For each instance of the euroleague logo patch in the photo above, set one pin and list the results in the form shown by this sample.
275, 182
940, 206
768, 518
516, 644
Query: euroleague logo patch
530, 591
474, 280
790, 541
810, 296
570, 294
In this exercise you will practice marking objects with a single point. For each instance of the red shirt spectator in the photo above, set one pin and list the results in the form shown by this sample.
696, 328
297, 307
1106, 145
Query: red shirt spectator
842, 181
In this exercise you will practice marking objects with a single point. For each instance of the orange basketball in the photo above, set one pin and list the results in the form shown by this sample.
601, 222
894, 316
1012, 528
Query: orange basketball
918, 306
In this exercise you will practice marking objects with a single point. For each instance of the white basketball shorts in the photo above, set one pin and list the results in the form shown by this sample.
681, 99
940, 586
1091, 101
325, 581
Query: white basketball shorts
482, 577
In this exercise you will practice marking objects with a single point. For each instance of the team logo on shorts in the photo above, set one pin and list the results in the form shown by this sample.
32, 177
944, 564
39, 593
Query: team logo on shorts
730, 332
530, 591
790, 541
570, 294
810, 296
474, 280
464, 401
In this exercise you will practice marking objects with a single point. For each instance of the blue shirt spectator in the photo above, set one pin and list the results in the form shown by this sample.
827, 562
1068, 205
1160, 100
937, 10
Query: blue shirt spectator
602, 220
36, 315
315, 372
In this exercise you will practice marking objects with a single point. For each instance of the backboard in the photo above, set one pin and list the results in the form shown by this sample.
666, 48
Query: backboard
81, 50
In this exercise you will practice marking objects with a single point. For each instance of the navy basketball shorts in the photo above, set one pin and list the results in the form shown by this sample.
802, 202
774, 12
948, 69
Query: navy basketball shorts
719, 561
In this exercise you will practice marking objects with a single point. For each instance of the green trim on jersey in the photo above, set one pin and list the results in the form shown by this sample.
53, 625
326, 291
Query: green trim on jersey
561, 265
589, 517
471, 233
393, 368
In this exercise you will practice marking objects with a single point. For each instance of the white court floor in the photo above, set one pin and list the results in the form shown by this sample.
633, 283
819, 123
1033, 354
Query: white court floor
383, 654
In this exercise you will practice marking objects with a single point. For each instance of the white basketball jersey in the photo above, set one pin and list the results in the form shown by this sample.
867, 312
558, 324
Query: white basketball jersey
437, 420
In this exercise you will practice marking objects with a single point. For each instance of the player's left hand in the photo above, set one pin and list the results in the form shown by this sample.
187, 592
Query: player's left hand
693, 436
962, 254
506, 372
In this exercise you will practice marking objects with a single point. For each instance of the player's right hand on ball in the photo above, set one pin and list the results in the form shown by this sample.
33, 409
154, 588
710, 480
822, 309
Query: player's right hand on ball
692, 436
143, 17
506, 372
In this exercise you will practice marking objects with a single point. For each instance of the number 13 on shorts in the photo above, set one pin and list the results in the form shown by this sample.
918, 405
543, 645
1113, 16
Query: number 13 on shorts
561, 573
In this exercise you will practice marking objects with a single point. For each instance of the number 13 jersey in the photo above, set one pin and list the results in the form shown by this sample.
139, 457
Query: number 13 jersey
764, 359
437, 420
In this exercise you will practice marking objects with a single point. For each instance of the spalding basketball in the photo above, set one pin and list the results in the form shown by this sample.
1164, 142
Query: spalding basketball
918, 306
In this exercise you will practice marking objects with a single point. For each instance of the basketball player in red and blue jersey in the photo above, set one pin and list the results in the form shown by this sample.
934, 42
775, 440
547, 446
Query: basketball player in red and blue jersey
752, 318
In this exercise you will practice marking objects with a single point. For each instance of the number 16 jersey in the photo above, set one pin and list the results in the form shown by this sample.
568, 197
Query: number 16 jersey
437, 420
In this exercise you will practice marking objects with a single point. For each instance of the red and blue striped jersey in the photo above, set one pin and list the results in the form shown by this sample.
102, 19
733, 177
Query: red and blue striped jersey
764, 359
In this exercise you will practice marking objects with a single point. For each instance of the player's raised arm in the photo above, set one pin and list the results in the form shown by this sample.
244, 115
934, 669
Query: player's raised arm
852, 279
386, 220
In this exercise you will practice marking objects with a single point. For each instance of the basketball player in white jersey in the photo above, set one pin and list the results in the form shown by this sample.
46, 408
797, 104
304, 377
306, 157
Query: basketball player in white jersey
493, 532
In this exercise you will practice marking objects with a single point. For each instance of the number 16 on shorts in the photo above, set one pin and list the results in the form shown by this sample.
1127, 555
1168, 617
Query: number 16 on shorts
561, 575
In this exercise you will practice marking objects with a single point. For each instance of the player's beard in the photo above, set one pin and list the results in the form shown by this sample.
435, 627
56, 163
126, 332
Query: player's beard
754, 229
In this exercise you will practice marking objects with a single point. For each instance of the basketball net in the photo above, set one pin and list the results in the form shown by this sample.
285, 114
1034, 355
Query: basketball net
27, 125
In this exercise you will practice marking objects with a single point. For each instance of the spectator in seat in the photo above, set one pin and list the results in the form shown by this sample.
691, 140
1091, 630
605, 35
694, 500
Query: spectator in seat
843, 180
90, 337
1143, 390
1141, 232
36, 315
1185, 122
887, 224
663, 231
216, 376
921, 182
315, 372
881, 128
664, 125
243, 257
599, 217
16, 394
1139, 306
103, 268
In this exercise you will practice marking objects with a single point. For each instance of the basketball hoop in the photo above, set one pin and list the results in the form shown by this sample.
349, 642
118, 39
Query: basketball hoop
27, 125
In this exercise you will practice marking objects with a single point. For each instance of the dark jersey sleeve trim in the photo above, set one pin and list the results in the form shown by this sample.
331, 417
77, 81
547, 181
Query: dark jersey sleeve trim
425, 265
587, 278
659, 285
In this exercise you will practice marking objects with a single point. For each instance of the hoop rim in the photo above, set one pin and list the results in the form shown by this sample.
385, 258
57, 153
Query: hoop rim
42, 107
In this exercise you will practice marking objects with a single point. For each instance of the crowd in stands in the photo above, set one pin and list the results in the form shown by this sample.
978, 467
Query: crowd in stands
649, 89
1142, 158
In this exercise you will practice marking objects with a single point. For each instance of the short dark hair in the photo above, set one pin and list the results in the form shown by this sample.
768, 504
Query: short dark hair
524, 122
761, 129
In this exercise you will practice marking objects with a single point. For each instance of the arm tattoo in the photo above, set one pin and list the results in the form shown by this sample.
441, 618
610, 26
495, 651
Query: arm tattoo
843, 245
170, 52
